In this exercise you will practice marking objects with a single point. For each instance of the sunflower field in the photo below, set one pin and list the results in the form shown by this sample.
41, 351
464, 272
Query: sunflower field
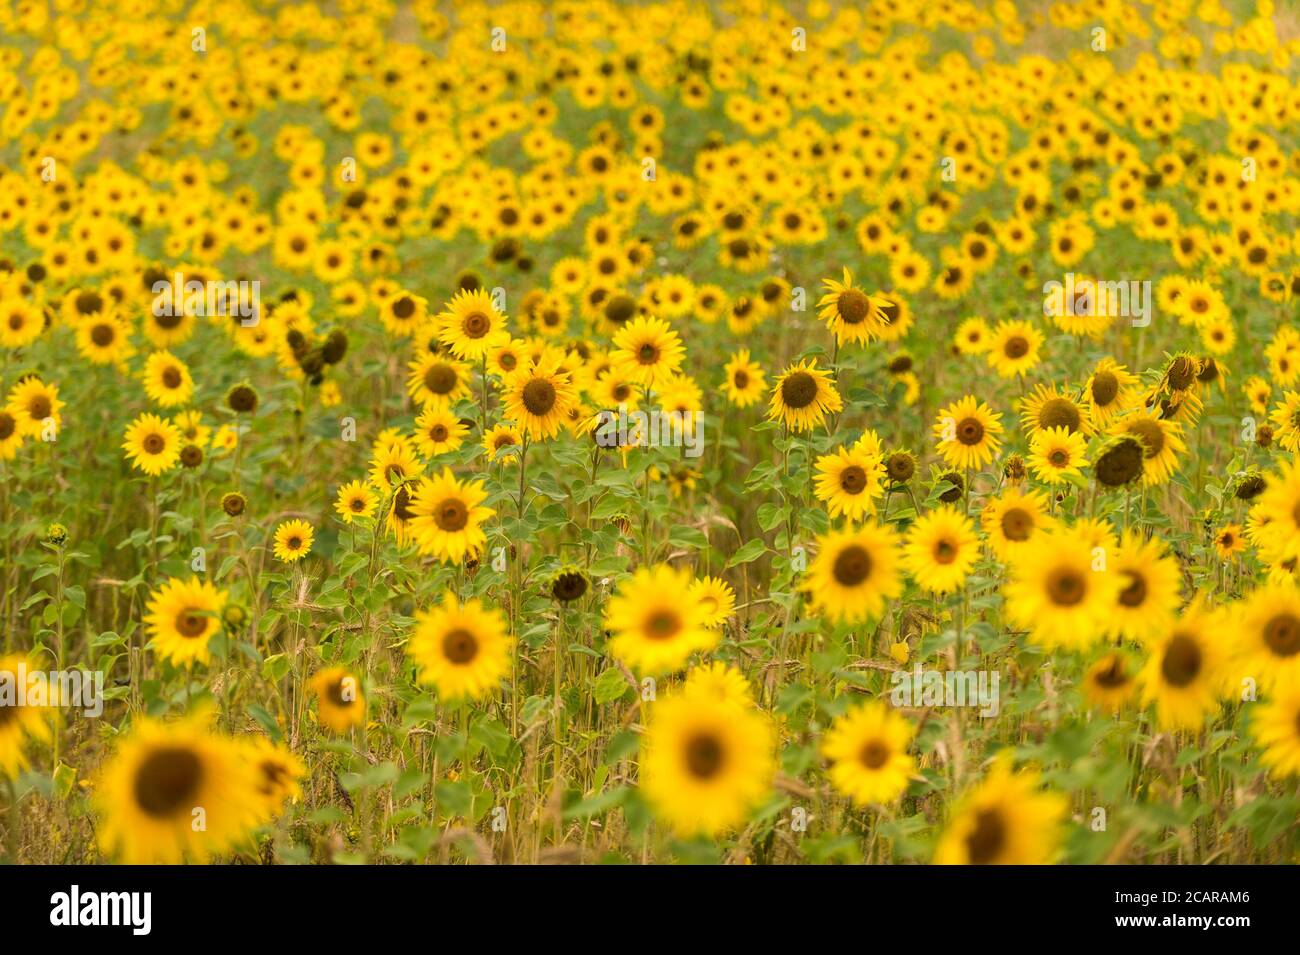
744, 432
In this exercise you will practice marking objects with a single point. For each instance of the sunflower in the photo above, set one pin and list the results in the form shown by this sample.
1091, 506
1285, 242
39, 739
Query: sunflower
174, 792
355, 499
745, 380
340, 702
1012, 521
1052, 407
1184, 673
277, 773
393, 462
1110, 681
941, 549
192, 429
1056, 592
1275, 725
1013, 348
867, 749
293, 539
851, 314
1118, 461
706, 763
855, 572
654, 626
1109, 391
850, 480
647, 351
33, 403
1229, 542
166, 380
21, 719
1150, 585
104, 339
803, 396
1056, 455
153, 444
438, 430
471, 326
499, 438
716, 597
1265, 634
447, 517
11, 436
462, 650
437, 380
21, 323
973, 336
537, 398
1005, 820
1161, 443
1278, 514
719, 682
182, 617
967, 431
1286, 421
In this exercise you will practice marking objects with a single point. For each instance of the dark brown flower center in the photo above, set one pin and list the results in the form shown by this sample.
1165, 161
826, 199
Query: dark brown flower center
853, 479
440, 378
853, 306
1135, 593
1112, 675
1059, 413
476, 325
539, 397
1151, 435
1016, 347
1282, 634
167, 781
852, 566
988, 838
970, 431
704, 756
153, 443
874, 754
102, 335
1105, 386
1017, 524
451, 515
460, 646
1066, 588
1182, 661
191, 624
662, 625
799, 389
